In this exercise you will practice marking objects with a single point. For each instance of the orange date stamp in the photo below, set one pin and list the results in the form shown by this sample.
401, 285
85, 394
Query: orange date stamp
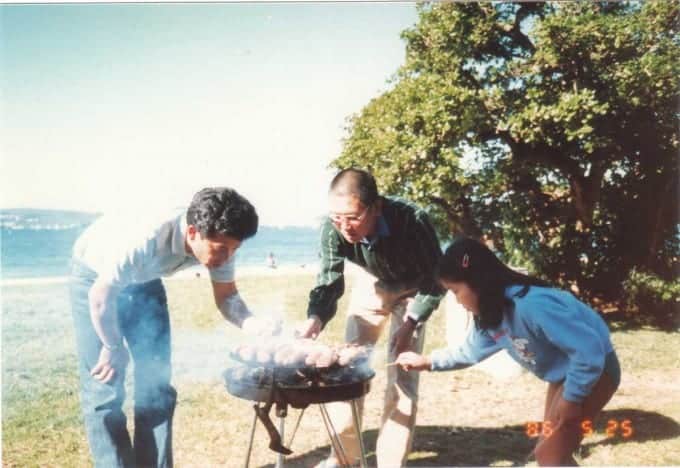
613, 428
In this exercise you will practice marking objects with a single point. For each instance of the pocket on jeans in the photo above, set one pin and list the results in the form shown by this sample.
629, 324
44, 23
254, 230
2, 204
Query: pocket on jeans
98, 395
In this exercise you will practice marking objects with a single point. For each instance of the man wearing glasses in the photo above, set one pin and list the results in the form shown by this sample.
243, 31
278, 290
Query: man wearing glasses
397, 249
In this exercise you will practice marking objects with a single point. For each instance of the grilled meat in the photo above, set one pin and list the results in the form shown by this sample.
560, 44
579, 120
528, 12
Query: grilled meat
300, 353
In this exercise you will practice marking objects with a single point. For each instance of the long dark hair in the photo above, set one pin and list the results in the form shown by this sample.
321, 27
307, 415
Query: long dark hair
469, 261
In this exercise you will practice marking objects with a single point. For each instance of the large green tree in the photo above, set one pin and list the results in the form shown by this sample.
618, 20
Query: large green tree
552, 129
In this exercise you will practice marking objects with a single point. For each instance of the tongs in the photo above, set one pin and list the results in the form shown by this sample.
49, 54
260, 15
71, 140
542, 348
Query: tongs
275, 442
262, 412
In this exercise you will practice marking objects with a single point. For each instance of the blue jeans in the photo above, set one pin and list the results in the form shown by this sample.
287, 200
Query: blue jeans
145, 324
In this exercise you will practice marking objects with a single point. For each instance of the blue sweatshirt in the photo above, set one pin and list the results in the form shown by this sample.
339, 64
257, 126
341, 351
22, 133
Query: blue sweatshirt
549, 332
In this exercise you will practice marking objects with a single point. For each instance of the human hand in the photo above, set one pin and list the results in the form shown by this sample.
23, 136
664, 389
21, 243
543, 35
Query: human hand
413, 361
111, 363
401, 339
261, 326
310, 328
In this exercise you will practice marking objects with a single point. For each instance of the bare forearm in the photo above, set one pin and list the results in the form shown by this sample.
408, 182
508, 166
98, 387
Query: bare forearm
104, 315
234, 309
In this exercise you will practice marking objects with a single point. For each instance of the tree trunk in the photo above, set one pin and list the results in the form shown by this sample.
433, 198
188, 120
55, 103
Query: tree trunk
461, 222
662, 209
585, 192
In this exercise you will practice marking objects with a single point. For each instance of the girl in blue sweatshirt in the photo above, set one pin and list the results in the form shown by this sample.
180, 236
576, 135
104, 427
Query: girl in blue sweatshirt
548, 331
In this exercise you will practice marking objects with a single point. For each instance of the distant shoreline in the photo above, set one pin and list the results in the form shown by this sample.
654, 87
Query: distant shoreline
245, 271
36, 280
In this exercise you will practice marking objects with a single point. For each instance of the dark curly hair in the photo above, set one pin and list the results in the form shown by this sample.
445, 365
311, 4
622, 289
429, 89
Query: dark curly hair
221, 210
469, 261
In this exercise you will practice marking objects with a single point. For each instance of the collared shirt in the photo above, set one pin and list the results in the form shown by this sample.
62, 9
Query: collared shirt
381, 230
136, 248
403, 253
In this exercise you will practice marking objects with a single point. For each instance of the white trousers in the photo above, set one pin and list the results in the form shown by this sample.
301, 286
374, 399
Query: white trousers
371, 307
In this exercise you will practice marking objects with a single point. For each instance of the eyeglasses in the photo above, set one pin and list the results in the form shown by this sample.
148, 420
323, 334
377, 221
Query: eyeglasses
353, 220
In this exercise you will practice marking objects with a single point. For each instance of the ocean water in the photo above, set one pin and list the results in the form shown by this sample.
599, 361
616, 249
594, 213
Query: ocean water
37, 243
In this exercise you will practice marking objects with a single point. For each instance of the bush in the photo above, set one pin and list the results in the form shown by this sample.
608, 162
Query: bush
651, 300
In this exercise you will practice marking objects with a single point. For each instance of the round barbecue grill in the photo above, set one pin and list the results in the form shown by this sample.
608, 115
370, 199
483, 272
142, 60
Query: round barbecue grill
298, 387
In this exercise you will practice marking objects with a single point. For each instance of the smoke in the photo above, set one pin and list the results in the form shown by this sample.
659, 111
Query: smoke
202, 356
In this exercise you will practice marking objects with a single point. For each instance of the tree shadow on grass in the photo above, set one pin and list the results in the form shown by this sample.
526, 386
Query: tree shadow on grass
445, 446
507, 445
471, 446
645, 426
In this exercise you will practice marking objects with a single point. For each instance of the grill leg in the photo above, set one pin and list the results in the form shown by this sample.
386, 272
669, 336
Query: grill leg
357, 428
280, 457
335, 438
250, 443
297, 424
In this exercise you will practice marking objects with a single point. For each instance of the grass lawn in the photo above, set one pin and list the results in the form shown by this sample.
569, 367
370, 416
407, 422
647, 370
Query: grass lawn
465, 418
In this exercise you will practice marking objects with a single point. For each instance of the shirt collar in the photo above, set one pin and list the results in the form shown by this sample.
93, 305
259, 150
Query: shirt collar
382, 230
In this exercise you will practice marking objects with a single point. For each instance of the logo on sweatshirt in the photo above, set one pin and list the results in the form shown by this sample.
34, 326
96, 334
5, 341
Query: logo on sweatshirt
500, 334
521, 346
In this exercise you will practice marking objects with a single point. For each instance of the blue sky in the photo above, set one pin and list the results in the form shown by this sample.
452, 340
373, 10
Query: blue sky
106, 105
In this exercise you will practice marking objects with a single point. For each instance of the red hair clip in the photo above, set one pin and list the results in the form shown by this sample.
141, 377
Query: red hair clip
466, 261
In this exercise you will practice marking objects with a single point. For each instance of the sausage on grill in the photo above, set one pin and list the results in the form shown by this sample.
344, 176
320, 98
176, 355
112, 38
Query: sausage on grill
246, 353
297, 356
303, 352
265, 353
314, 355
327, 358
282, 355
351, 353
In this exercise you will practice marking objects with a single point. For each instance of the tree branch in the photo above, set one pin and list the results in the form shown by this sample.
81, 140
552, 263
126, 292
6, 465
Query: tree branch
460, 218
524, 11
515, 33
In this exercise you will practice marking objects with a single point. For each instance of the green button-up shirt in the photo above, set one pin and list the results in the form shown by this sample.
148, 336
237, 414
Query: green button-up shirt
403, 254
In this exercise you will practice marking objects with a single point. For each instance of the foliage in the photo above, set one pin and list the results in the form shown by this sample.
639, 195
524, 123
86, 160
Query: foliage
549, 128
644, 291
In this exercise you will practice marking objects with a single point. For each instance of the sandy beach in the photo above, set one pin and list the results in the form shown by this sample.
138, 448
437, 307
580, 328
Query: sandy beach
28, 281
248, 271
197, 272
